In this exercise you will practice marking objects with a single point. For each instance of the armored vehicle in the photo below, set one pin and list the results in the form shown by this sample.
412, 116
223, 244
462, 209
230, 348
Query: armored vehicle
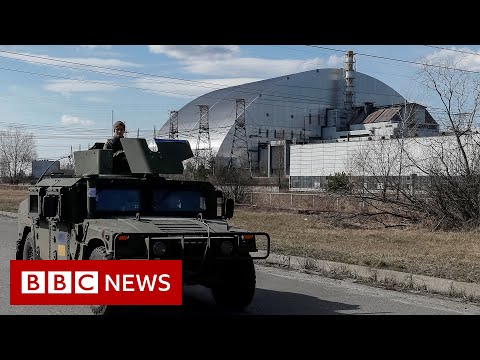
124, 206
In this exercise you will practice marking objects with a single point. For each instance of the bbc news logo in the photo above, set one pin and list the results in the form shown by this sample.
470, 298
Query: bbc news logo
89, 282
59, 282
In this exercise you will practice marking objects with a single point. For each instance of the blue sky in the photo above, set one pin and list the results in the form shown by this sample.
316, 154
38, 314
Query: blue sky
67, 95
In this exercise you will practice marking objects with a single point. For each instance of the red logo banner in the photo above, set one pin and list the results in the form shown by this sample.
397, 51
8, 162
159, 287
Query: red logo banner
92, 282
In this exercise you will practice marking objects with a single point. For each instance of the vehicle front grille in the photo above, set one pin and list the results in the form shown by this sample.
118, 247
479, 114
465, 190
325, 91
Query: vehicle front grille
172, 226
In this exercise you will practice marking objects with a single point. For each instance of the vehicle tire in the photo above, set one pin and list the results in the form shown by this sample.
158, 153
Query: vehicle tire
99, 253
235, 283
29, 252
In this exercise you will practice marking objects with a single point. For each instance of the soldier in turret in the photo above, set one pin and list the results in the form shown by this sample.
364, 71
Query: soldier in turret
118, 133
120, 164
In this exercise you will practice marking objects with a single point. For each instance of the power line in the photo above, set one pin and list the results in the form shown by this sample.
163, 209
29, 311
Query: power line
453, 50
119, 71
94, 82
313, 101
103, 67
404, 61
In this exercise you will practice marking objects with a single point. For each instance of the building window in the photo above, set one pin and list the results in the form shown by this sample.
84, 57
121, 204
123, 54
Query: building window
291, 136
310, 119
267, 133
275, 133
259, 131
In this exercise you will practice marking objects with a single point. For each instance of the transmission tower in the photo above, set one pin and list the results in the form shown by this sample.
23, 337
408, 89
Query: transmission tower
203, 151
173, 134
239, 143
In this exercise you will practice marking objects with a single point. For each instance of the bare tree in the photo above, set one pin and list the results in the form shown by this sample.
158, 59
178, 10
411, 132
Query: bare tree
449, 164
382, 163
233, 180
380, 167
18, 150
454, 169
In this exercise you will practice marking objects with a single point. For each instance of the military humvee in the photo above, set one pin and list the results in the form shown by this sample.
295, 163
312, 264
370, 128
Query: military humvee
123, 207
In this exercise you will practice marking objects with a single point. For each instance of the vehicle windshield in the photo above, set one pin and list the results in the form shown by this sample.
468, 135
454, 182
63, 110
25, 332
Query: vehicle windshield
178, 201
124, 200
129, 200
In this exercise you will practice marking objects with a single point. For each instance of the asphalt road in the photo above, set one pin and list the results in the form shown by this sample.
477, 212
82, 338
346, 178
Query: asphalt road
279, 292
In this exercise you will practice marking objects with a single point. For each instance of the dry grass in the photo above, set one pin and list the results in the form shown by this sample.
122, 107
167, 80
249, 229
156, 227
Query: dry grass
10, 199
450, 255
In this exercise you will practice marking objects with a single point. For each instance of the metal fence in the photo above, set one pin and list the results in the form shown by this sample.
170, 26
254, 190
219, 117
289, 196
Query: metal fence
283, 201
410, 182
296, 201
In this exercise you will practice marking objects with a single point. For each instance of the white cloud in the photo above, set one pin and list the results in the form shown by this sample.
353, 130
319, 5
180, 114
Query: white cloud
461, 59
256, 67
66, 87
73, 120
95, 99
224, 60
335, 61
186, 52
189, 89
97, 46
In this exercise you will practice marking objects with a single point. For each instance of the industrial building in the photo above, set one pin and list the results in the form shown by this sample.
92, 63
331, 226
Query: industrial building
260, 121
312, 164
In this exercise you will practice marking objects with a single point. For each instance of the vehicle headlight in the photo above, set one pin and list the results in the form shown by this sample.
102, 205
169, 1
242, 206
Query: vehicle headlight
226, 247
159, 248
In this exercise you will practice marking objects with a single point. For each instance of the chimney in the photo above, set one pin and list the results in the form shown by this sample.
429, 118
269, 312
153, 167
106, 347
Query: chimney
349, 70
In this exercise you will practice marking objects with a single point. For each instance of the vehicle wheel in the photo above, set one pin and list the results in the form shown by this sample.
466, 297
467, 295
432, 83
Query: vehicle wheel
29, 252
235, 283
99, 253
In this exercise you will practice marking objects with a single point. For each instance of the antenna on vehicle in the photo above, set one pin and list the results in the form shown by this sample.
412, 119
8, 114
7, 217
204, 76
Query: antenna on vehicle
49, 166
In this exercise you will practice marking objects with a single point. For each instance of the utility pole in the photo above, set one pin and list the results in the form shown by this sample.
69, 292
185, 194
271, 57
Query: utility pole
240, 141
203, 151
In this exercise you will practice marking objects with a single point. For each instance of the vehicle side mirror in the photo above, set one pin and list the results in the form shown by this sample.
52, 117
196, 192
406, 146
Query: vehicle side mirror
229, 206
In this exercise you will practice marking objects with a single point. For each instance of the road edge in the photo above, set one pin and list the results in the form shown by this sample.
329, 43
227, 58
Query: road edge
394, 279
8, 214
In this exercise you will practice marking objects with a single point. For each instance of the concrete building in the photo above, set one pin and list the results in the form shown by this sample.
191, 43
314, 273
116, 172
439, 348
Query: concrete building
315, 105
321, 105
311, 164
